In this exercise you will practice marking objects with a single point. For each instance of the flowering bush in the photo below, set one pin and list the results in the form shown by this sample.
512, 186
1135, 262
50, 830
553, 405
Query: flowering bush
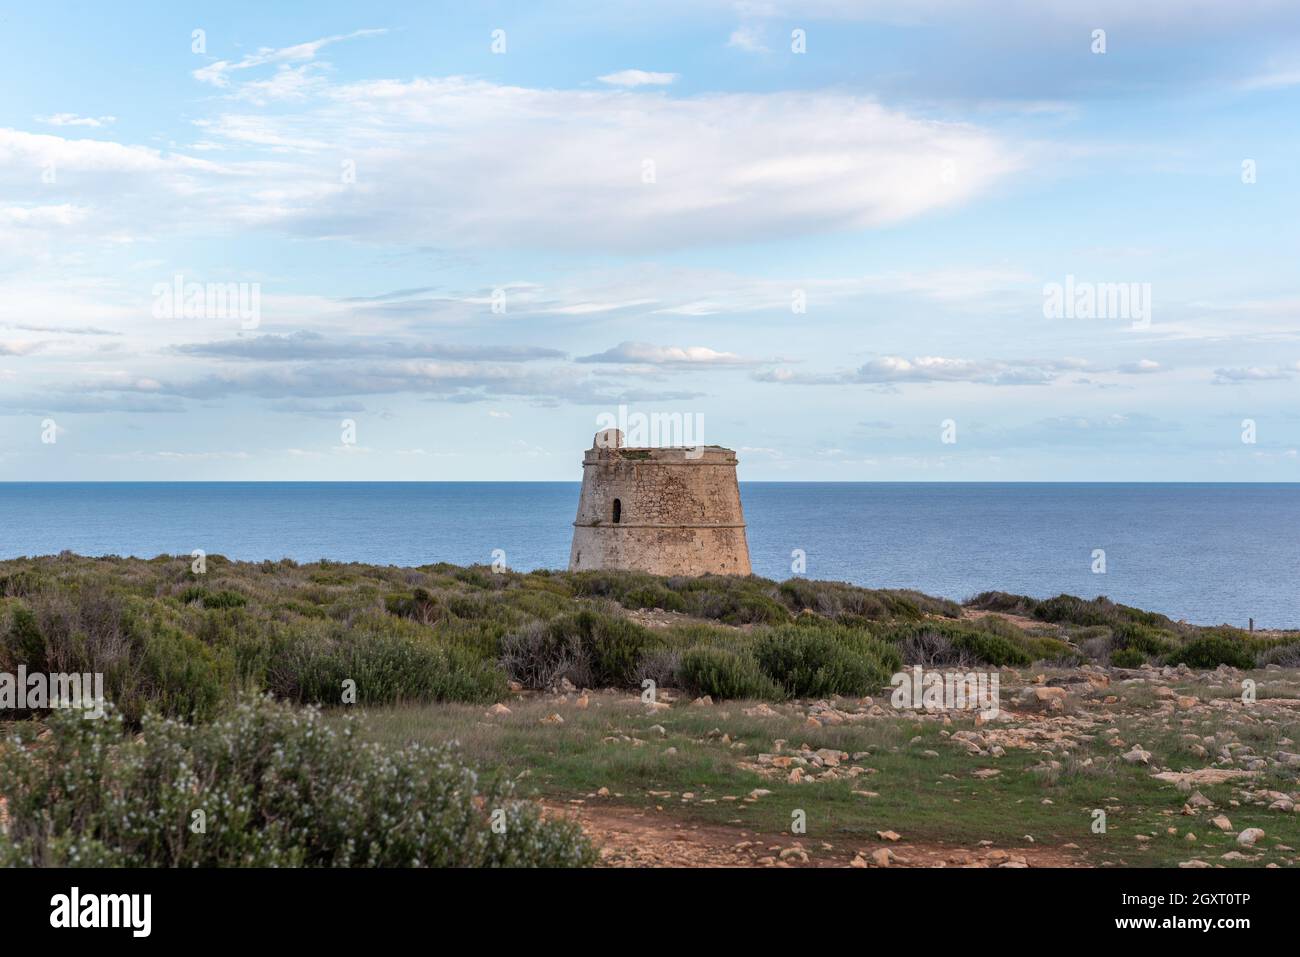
264, 784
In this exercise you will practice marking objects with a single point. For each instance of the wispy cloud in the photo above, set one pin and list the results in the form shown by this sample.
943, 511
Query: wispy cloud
645, 353
1241, 375
625, 170
892, 370
748, 38
72, 119
304, 345
219, 72
638, 78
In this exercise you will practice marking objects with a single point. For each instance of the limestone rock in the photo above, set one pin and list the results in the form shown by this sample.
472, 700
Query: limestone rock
1138, 756
1249, 836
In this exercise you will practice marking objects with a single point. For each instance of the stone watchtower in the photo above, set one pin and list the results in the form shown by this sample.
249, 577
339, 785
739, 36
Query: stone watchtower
668, 511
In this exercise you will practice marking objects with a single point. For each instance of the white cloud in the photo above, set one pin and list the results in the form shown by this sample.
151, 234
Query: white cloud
894, 370
1240, 375
64, 214
1141, 367
458, 163
647, 354
637, 78
1275, 79
219, 72
72, 119
747, 38
17, 347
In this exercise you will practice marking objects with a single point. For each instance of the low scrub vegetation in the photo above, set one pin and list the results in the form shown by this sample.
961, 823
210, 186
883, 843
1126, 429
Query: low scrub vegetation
1129, 637
265, 785
1214, 649
186, 645
809, 662
722, 673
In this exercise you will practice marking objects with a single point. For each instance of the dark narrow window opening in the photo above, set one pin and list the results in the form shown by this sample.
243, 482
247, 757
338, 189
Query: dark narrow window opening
618, 511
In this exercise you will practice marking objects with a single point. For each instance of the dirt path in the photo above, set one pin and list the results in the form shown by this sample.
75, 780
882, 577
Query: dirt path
633, 837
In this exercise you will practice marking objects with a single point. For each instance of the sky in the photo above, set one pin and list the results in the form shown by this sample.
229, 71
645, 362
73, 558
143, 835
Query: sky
854, 241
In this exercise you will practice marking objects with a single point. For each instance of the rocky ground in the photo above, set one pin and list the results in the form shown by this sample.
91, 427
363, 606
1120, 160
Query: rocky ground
1080, 767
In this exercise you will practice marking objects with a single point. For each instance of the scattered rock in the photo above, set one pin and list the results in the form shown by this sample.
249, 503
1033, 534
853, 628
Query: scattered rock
1138, 756
1249, 836
1203, 776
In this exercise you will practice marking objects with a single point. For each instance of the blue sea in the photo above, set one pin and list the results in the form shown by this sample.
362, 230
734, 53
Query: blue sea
1207, 553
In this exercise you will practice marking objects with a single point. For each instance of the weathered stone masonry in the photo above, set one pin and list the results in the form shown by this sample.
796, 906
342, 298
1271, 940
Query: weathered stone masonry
669, 511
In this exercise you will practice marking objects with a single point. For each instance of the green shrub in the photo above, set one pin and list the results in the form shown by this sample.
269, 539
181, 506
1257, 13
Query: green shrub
1072, 610
278, 787
1212, 650
1149, 641
630, 589
389, 664
689, 634
815, 663
1128, 658
21, 642
736, 601
652, 595
178, 674
720, 673
538, 657
908, 603
1003, 602
1285, 655
1082, 633
1053, 650
590, 649
958, 643
225, 598
993, 649
418, 605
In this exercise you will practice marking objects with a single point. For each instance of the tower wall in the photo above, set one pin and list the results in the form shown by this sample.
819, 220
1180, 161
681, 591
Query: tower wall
679, 511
